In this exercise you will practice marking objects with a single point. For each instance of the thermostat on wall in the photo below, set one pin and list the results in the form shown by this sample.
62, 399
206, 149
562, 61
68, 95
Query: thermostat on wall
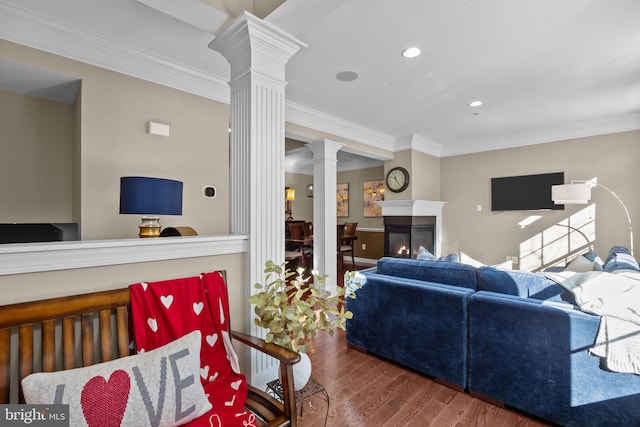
209, 192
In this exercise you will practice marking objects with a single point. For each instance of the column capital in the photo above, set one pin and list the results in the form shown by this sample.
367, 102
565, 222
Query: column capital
251, 43
325, 149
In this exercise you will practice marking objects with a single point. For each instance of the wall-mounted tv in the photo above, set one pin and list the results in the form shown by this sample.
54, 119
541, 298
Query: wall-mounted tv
525, 192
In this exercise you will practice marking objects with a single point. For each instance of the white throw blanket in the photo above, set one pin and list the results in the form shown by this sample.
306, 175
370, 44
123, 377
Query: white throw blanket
616, 298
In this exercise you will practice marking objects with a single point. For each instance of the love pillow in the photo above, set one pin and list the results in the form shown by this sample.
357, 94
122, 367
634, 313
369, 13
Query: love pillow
160, 387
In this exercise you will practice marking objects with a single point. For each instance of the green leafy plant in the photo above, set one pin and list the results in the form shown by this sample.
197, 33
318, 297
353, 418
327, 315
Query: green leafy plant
293, 308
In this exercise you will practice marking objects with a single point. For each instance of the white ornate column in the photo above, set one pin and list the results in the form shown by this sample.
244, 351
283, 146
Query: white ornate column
257, 52
324, 209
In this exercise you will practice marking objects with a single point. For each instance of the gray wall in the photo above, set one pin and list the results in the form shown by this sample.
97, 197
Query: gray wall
36, 159
490, 237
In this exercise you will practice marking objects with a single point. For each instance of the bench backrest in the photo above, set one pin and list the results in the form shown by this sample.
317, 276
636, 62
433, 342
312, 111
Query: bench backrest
48, 338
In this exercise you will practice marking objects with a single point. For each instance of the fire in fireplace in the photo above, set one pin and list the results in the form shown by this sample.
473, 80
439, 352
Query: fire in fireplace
403, 235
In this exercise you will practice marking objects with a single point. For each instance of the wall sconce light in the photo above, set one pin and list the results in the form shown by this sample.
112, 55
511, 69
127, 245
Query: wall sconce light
290, 196
309, 190
150, 197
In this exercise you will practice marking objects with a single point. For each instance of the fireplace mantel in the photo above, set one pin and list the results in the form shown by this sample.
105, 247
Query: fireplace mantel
412, 208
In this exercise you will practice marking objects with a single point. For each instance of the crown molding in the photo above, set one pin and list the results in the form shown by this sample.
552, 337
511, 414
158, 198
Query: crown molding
418, 143
314, 119
27, 28
628, 123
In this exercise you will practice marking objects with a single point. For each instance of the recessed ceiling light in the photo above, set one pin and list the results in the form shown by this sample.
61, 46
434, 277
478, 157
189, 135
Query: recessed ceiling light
475, 103
411, 52
347, 76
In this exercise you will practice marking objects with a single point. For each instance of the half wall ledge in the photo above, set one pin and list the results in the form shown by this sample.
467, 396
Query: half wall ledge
20, 258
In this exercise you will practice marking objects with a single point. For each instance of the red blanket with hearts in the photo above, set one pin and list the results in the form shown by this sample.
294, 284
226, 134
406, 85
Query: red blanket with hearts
167, 310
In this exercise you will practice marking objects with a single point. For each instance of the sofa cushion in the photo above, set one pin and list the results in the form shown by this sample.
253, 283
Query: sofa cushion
448, 273
619, 258
523, 284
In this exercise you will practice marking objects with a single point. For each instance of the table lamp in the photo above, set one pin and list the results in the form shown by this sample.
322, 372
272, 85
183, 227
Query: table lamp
150, 197
290, 196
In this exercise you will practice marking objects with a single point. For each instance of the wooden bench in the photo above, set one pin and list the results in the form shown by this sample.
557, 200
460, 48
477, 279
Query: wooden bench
46, 342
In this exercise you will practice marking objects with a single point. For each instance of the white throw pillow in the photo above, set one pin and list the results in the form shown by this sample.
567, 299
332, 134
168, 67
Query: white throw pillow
507, 265
466, 259
580, 264
159, 387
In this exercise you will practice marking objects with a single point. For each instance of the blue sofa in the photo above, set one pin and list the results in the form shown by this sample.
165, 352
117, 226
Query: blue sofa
510, 336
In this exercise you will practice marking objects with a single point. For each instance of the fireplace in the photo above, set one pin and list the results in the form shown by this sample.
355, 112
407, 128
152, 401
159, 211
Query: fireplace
409, 224
403, 235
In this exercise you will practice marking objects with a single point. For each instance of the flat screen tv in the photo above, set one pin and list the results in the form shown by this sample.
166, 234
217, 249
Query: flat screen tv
525, 192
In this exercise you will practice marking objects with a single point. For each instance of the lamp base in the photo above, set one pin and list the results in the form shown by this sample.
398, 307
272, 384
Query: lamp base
150, 226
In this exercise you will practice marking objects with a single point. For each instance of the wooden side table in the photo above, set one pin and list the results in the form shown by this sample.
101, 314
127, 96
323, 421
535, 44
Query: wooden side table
312, 388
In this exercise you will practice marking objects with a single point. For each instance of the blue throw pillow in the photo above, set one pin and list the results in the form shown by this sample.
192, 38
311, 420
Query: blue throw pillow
452, 257
424, 254
620, 258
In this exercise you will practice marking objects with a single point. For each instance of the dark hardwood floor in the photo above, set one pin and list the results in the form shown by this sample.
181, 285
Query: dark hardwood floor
366, 390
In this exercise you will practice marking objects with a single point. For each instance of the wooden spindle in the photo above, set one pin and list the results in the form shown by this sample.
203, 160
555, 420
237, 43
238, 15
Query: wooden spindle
48, 346
68, 342
87, 339
122, 325
105, 335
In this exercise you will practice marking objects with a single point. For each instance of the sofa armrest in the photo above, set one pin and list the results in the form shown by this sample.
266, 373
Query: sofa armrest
421, 325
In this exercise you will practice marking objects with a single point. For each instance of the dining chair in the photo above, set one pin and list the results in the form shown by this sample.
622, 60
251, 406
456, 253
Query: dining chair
297, 233
342, 248
308, 229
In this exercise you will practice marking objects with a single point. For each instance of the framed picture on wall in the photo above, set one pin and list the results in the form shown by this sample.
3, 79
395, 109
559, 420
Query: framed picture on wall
342, 200
373, 192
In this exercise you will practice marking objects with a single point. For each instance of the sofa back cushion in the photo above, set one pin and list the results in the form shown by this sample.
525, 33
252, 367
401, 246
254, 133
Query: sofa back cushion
523, 284
448, 273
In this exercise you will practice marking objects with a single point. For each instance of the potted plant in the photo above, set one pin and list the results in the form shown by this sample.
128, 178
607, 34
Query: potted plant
293, 308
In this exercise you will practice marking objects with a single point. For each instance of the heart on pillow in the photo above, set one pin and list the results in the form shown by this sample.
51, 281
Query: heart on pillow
100, 395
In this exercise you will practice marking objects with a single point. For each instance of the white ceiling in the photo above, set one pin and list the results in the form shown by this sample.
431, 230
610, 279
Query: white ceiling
545, 69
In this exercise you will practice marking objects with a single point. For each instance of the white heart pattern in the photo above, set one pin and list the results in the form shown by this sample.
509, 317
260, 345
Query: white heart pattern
153, 324
230, 403
204, 372
236, 384
212, 339
166, 300
197, 307
213, 377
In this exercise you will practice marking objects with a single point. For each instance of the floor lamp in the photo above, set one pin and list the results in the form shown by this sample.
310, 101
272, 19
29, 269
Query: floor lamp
579, 193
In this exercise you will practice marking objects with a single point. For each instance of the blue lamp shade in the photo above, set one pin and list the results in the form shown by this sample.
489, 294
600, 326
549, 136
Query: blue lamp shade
150, 196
